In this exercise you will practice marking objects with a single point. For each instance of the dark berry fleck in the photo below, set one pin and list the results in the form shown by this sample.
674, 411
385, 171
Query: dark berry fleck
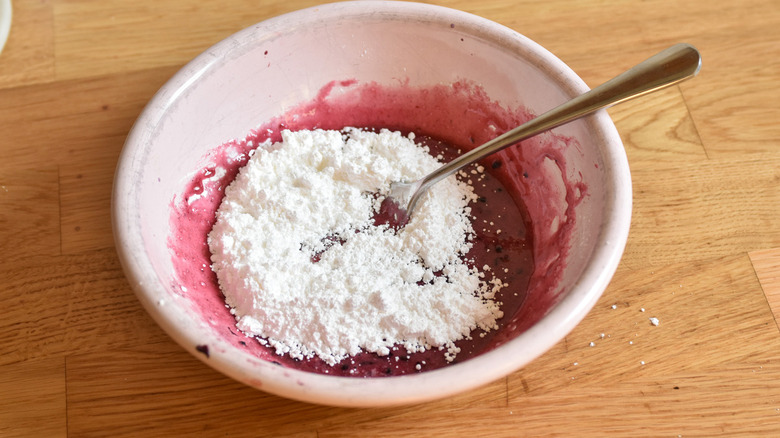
499, 248
203, 349
496, 164
525, 174
482, 199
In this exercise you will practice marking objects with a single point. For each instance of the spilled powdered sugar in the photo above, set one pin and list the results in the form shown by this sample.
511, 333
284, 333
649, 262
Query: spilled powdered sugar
303, 267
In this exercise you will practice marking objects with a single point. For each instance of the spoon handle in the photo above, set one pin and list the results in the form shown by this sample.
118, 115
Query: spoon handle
666, 68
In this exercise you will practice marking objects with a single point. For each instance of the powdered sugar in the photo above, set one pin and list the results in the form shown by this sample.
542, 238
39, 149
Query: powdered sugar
303, 267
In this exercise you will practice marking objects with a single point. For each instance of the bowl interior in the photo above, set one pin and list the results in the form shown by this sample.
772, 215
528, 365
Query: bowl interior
271, 68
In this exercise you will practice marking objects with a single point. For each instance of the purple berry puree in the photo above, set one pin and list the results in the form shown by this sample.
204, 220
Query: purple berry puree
513, 196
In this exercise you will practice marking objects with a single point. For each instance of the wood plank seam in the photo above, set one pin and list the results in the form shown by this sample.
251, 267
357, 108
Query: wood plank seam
755, 257
693, 121
769, 304
65, 371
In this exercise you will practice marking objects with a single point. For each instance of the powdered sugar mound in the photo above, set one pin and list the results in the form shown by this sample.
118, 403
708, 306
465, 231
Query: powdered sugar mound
302, 265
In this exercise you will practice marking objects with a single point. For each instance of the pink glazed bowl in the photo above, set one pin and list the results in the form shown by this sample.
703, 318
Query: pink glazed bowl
582, 210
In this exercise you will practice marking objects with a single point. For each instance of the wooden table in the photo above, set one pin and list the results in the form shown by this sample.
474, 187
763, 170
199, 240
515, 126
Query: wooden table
80, 357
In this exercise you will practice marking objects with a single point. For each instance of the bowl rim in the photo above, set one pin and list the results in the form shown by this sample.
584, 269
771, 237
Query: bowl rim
397, 390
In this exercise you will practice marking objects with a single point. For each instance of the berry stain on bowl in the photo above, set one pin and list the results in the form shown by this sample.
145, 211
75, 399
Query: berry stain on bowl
404, 322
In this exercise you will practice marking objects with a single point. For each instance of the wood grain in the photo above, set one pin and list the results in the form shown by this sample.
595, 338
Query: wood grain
710, 200
80, 357
26, 227
54, 306
33, 401
28, 56
131, 32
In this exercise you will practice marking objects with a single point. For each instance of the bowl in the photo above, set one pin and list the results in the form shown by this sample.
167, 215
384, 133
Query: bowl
401, 65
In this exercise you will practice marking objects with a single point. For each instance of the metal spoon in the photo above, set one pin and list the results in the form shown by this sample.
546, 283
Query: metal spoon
666, 68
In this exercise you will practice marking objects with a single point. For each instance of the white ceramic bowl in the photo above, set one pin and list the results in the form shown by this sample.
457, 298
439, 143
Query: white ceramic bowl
264, 71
